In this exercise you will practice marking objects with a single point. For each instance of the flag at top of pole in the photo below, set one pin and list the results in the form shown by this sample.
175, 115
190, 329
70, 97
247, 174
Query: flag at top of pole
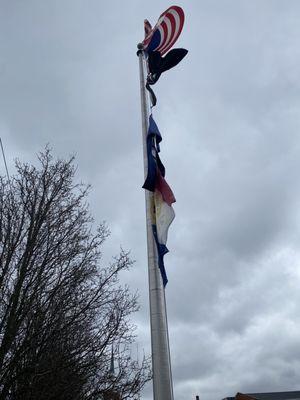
158, 42
165, 33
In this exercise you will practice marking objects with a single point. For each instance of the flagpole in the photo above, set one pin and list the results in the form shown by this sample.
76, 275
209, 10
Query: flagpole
161, 365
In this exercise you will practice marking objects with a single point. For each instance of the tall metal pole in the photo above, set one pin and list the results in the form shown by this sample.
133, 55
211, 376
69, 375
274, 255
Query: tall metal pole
161, 365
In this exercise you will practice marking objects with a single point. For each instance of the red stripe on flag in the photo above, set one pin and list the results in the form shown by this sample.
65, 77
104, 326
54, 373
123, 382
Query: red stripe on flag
179, 25
164, 189
147, 27
163, 47
165, 33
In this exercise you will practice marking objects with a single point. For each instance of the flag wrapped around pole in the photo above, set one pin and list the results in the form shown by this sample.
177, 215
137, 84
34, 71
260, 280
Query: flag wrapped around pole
163, 213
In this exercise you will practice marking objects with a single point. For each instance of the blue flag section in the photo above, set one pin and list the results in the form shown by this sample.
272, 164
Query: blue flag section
154, 163
161, 251
154, 131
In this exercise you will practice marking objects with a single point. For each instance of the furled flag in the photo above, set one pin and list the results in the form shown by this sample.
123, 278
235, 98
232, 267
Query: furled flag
163, 196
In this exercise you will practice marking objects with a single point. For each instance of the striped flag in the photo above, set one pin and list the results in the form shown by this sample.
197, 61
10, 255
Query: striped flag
147, 27
165, 33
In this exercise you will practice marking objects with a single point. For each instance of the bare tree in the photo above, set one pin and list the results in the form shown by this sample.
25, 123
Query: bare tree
61, 311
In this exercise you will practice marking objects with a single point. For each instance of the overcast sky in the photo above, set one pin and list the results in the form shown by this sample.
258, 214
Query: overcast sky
230, 120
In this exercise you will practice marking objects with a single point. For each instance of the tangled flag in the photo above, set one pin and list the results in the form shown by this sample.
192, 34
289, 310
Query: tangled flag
156, 45
158, 41
155, 181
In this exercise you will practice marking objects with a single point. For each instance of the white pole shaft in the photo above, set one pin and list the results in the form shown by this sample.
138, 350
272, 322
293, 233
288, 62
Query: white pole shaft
161, 365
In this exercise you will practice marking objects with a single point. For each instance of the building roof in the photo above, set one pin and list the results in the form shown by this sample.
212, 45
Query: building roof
276, 395
293, 395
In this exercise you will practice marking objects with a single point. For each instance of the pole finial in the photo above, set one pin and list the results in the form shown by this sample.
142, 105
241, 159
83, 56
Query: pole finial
140, 47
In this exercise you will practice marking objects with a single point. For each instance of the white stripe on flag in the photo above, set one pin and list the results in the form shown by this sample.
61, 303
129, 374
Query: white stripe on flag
164, 216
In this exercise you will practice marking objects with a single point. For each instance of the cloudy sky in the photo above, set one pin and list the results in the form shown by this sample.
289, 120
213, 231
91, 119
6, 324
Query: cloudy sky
229, 116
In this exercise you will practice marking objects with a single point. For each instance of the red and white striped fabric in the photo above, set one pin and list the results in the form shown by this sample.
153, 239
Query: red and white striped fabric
165, 33
147, 27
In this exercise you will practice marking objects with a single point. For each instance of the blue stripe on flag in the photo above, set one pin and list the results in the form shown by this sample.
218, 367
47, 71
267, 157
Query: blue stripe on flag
161, 251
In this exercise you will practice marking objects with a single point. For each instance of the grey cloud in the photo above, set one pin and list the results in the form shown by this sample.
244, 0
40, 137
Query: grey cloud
230, 124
